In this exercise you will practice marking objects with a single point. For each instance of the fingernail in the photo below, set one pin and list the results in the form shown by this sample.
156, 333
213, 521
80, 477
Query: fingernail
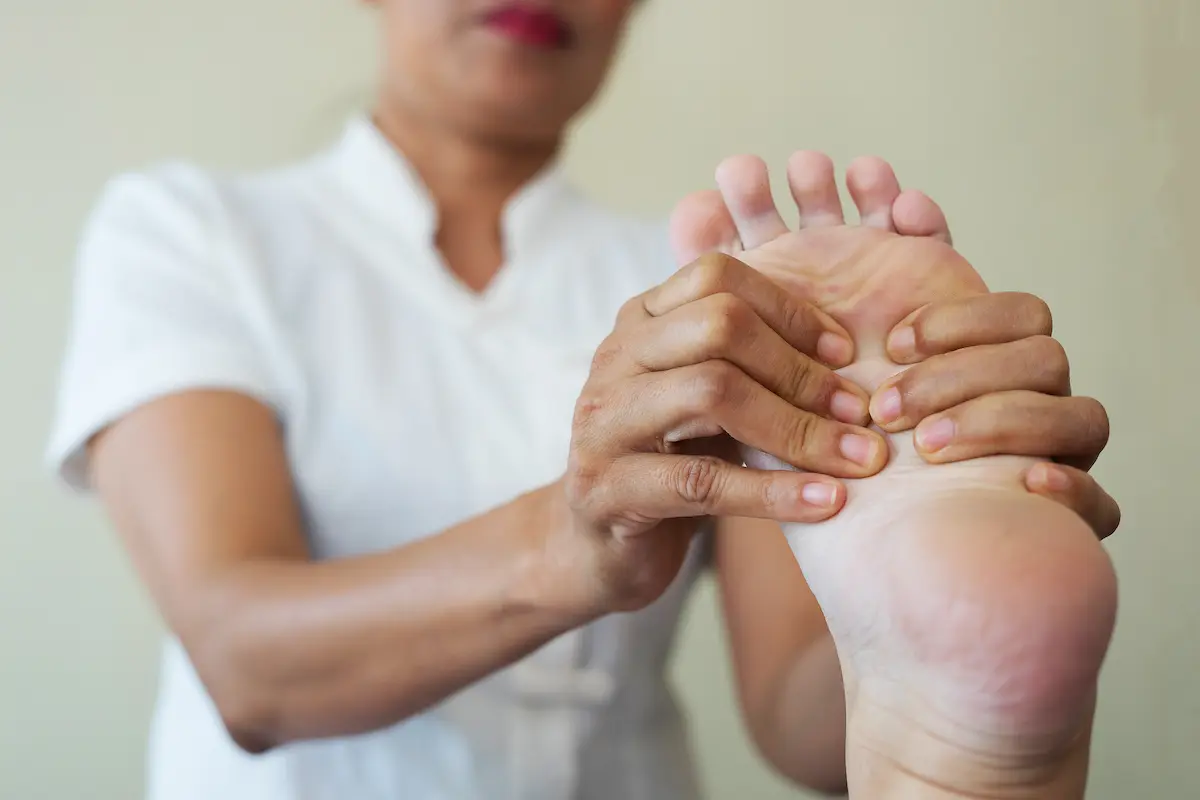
847, 407
858, 448
887, 406
903, 343
821, 495
834, 349
1048, 478
933, 435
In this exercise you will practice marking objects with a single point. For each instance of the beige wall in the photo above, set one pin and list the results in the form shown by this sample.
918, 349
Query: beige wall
1061, 137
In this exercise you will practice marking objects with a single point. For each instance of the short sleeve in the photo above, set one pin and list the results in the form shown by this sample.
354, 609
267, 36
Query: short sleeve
156, 310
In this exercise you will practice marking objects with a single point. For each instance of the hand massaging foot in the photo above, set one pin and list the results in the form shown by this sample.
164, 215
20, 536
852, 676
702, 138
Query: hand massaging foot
970, 616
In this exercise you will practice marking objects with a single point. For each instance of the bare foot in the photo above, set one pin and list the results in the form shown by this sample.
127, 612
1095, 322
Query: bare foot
971, 617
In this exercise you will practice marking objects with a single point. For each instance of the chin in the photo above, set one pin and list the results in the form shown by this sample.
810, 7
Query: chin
525, 110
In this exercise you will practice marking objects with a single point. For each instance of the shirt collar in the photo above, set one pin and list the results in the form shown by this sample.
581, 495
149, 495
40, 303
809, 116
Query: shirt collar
382, 177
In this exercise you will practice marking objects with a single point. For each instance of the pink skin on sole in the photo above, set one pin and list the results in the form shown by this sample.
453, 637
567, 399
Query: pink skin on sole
957, 600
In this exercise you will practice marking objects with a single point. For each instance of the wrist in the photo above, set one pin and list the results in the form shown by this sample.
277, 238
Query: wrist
559, 574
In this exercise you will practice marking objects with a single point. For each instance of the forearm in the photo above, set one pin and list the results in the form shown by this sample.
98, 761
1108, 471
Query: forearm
801, 726
300, 650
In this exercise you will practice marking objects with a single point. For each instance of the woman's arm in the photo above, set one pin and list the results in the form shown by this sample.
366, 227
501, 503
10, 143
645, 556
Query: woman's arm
200, 490
198, 484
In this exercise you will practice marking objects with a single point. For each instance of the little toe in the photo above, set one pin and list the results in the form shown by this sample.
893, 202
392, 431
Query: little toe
746, 187
874, 188
813, 184
701, 223
916, 214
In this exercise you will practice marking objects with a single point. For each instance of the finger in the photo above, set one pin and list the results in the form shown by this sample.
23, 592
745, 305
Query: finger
701, 223
914, 213
1037, 364
813, 184
1079, 492
801, 324
659, 409
746, 187
723, 326
874, 188
654, 487
993, 318
1073, 430
632, 311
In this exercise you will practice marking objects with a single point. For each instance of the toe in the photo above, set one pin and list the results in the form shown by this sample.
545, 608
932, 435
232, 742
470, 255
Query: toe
915, 214
874, 188
701, 223
814, 188
746, 187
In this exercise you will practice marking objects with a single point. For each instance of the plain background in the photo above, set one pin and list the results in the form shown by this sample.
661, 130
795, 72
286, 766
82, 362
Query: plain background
1060, 136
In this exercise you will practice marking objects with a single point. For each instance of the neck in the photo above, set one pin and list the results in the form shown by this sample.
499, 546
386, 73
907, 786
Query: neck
464, 172
469, 179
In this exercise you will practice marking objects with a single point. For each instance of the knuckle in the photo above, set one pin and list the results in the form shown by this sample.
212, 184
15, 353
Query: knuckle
1051, 351
606, 353
1096, 415
1037, 313
628, 305
1053, 356
587, 408
714, 385
794, 316
697, 481
583, 483
729, 320
632, 308
803, 431
710, 274
814, 386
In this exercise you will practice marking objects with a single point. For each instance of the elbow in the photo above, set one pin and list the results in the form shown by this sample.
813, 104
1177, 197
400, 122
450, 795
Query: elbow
247, 730
248, 718
248, 708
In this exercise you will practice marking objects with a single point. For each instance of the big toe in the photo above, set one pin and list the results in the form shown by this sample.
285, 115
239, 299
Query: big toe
701, 223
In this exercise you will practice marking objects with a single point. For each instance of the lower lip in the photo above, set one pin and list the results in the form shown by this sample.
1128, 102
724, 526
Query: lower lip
530, 29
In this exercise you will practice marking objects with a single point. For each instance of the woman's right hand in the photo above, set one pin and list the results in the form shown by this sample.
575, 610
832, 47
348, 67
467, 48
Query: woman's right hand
716, 355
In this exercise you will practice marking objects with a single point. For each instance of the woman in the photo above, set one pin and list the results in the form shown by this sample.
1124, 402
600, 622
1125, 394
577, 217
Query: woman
329, 411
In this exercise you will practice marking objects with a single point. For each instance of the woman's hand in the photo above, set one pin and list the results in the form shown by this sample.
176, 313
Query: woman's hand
988, 379
717, 353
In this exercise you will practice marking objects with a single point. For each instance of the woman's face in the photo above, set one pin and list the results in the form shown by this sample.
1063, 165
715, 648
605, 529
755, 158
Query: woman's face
516, 70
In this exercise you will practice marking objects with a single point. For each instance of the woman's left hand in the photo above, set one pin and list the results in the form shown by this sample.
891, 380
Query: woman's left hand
988, 379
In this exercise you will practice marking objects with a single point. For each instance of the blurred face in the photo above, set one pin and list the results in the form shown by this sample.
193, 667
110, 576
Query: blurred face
516, 70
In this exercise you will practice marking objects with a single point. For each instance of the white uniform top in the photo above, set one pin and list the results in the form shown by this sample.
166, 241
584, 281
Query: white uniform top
409, 403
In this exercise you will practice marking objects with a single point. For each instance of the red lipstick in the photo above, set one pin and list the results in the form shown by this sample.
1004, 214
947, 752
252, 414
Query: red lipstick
529, 25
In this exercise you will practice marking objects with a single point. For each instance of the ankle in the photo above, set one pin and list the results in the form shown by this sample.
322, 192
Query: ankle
896, 754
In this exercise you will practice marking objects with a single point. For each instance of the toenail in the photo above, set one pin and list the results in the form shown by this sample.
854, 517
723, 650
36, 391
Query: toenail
859, 449
888, 406
933, 435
